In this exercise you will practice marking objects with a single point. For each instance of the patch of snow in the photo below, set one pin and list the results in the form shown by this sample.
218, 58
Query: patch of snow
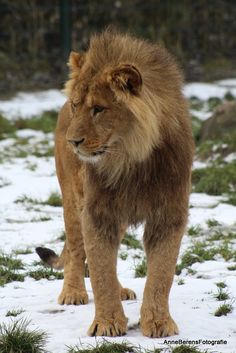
204, 91
199, 164
230, 158
200, 114
26, 105
229, 82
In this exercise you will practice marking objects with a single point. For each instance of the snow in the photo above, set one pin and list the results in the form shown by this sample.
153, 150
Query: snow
39, 102
53, 99
191, 304
205, 91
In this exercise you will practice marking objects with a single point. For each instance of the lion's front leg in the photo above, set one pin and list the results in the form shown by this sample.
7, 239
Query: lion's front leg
101, 244
162, 251
73, 291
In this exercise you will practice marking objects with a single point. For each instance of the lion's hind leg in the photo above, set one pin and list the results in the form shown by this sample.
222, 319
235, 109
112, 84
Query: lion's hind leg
156, 320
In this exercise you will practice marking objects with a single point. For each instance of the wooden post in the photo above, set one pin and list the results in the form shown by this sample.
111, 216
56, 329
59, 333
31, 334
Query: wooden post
66, 28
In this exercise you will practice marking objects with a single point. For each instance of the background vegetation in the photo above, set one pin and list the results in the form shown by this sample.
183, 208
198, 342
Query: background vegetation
201, 34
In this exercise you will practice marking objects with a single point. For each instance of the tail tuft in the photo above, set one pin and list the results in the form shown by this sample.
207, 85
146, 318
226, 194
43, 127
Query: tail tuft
48, 256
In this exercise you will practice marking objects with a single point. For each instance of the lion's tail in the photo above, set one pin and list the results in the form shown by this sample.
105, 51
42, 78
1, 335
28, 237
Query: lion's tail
50, 258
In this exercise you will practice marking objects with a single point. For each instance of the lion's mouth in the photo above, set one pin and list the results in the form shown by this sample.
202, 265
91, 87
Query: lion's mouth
92, 156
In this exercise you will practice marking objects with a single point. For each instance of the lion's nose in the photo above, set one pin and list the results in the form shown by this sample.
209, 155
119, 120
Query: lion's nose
75, 142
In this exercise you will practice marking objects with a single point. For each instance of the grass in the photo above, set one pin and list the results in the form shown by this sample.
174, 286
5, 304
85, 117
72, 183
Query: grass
125, 347
26, 251
6, 127
213, 102
17, 338
196, 128
221, 285
62, 236
46, 273
27, 199
130, 241
41, 219
186, 349
211, 223
105, 347
216, 179
4, 182
194, 230
123, 255
141, 269
14, 312
231, 268
54, 199
221, 234
7, 276
196, 103
222, 147
9, 267
45, 122
206, 250
224, 309
221, 295
231, 199
10, 262
181, 282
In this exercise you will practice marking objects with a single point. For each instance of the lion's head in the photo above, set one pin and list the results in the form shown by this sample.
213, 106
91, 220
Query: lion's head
119, 92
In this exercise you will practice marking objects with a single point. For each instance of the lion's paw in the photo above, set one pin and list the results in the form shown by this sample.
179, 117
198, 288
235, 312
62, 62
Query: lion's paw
159, 328
127, 294
73, 297
111, 327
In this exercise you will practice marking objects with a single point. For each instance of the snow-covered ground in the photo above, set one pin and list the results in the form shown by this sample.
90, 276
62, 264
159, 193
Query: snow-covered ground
23, 226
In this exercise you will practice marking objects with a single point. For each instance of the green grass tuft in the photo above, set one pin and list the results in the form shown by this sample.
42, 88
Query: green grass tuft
9, 267
7, 276
26, 251
224, 310
231, 268
221, 295
221, 285
185, 349
211, 223
54, 199
6, 127
130, 241
105, 347
141, 269
14, 312
62, 236
46, 273
16, 338
194, 230
10, 262
231, 199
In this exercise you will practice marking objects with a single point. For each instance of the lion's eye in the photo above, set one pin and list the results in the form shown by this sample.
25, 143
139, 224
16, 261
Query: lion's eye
97, 109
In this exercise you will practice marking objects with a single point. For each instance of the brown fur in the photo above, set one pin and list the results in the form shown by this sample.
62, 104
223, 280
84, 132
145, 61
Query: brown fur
142, 175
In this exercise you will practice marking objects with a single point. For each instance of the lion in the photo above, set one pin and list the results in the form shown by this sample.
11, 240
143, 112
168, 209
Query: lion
124, 150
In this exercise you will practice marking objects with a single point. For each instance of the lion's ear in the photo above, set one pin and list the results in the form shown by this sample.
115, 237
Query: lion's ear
76, 61
126, 78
